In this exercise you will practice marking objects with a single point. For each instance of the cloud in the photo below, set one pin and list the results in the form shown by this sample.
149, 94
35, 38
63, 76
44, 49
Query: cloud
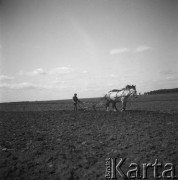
169, 75
5, 77
58, 81
24, 85
171, 78
35, 72
84, 71
112, 76
142, 48
138, 49
60, 70
119, 51
168, 72
53, 85
40, 71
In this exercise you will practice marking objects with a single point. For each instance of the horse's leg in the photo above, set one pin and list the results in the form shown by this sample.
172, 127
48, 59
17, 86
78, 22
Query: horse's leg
107, 105
124, 101
114, 106
123, 104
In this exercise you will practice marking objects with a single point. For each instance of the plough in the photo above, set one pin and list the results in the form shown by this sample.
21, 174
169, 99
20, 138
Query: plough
90, 106
95, 106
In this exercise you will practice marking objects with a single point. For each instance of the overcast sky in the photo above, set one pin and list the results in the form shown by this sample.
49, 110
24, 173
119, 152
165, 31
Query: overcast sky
50, 49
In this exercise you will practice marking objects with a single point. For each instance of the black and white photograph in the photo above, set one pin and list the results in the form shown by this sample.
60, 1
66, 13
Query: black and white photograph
88, 89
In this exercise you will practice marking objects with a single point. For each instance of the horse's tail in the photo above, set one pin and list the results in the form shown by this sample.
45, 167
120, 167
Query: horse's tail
105, 97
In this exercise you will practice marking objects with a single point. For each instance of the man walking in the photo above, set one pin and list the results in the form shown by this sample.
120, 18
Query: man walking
76, 101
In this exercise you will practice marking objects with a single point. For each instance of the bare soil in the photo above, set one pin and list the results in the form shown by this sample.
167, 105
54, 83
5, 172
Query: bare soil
63, 144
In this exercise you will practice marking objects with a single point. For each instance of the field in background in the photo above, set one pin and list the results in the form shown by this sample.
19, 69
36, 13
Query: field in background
162, 103
48, 140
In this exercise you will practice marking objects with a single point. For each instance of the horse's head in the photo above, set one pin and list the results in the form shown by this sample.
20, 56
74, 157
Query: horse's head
133, 91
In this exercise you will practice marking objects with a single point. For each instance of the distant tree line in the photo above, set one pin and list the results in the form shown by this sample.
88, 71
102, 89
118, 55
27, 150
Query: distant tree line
163, 91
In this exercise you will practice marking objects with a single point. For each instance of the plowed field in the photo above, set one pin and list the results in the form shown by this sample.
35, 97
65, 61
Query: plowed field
50, 141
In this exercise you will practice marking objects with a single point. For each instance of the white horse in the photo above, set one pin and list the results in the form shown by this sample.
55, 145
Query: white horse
122, 95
